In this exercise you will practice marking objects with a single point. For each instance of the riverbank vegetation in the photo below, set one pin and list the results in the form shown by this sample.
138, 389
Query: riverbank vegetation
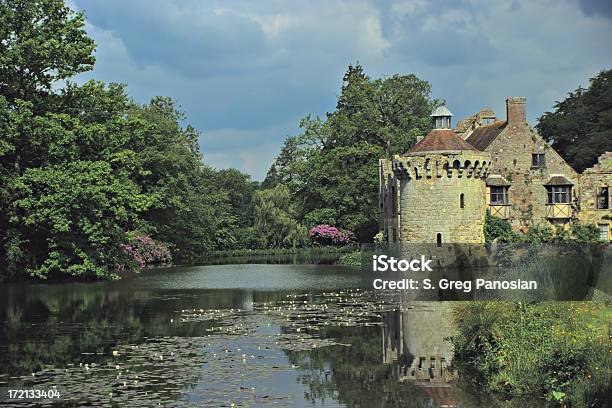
84, 169
554, 351
499, 230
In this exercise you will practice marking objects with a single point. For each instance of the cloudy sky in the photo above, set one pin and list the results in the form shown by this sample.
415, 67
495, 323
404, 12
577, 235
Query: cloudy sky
246, 71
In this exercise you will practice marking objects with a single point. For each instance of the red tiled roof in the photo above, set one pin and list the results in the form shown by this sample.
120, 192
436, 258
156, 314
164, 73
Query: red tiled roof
441, 139
482, 136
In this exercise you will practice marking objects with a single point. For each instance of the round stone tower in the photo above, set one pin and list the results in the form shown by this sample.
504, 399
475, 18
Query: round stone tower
442, 187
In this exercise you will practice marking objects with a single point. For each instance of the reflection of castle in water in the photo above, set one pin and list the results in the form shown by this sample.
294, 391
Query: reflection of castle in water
414, 339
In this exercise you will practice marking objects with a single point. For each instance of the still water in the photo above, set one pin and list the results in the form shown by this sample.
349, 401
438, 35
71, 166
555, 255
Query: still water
226, 335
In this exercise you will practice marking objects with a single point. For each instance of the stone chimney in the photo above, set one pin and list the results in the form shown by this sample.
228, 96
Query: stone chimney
515, 110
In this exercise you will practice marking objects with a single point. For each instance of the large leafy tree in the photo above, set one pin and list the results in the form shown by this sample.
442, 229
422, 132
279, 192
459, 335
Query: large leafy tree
580, 128
83, 167
275, 218
41, 42
331, 168
188, 212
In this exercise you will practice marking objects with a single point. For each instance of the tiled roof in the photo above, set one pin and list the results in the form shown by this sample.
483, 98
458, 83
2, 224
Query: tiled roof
465, 124
439, 140
558, 180
482, 136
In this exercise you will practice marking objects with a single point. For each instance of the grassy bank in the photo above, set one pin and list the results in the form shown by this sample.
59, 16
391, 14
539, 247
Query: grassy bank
309, 255
551, 351
281, 251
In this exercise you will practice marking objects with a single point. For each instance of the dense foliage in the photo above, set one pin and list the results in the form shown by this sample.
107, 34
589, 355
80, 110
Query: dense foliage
85, 171
275, 223
580, 128
331, 168
328, 235
555, 351
499, 230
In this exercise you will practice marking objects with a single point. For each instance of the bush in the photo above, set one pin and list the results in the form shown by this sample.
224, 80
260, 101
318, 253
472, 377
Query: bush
497, 229
555, 351
585, 233
353, 259
146, 251
328, 235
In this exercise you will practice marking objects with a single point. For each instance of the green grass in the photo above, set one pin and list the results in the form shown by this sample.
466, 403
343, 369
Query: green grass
551, 351
352, 259
280, 251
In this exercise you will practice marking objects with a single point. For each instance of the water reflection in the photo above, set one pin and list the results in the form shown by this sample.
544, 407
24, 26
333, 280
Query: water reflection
415, 339
168, 338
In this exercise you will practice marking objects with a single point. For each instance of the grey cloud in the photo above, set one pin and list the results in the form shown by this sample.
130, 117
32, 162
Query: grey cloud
596, 7
245, 71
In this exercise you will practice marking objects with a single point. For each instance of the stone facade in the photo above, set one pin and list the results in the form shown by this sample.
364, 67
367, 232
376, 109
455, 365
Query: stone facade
511, 152
595, 197
441, 196
524, 180
389, 201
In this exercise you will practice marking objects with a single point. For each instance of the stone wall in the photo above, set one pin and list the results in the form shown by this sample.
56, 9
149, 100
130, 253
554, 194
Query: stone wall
511, 154
430, 188
591, 180
388, 194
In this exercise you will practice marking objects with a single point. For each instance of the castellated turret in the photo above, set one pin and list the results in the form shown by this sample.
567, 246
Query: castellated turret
442, 187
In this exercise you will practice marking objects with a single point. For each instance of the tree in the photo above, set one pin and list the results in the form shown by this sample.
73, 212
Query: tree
189, 212
41, 42
84, 169
331, 168
580, 128
275, 221
72, 218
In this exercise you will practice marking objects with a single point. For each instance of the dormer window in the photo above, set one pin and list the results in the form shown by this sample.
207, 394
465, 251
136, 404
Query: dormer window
488, 120
441, 118
558, 190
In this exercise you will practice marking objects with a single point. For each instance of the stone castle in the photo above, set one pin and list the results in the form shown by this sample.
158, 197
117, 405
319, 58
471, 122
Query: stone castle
440, 190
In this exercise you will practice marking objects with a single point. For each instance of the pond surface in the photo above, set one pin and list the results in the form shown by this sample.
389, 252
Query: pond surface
226, 335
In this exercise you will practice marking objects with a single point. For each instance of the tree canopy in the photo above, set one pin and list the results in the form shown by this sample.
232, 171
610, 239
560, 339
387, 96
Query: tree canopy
85, 170
331, 167
580, 128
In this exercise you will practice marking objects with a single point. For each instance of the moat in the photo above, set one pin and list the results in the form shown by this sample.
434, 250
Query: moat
248, 335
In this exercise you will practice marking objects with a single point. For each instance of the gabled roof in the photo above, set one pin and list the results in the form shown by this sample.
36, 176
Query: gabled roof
482, 136
558, 180
441, 140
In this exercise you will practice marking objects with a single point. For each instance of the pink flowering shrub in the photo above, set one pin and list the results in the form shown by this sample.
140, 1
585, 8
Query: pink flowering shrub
146, 251
328, 235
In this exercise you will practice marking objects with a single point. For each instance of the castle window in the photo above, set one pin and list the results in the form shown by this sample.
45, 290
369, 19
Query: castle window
393, 201
558, 194
499, 195
462, 200
538, 160
603, 198
439, 240
603, 232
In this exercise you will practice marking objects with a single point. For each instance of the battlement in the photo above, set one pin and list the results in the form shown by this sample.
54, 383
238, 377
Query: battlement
438, 165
